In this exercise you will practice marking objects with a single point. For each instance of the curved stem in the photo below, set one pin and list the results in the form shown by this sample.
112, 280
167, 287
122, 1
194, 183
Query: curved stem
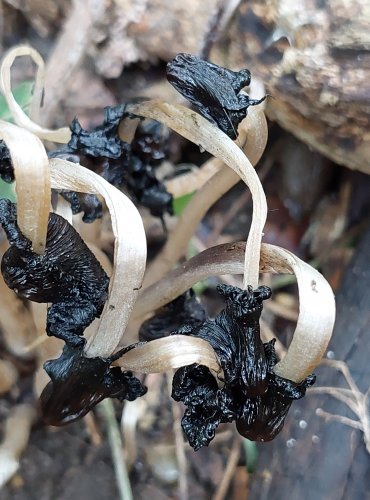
198, 130
169, 353
252, 140
129, 252
317, 307
315, 321
227, 258
60, 135
32, 174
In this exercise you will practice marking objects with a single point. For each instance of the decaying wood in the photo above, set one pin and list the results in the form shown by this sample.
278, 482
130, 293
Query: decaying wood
142, 30
69, 51
314, 58
312, 458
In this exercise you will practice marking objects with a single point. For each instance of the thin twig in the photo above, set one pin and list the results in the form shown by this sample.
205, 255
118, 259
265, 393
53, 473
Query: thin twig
114, 436
229, 471
353, 398
339, 418
180, 448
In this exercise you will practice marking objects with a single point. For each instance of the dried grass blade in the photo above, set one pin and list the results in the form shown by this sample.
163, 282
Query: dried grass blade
201, 132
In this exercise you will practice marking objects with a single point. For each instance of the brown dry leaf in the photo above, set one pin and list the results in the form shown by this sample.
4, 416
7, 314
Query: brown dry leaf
240, 484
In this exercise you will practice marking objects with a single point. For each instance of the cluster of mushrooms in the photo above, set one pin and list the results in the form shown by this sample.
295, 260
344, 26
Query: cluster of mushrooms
224, 372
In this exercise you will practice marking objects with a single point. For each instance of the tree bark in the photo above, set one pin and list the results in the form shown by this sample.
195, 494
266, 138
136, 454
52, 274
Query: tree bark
314, 58
314, 459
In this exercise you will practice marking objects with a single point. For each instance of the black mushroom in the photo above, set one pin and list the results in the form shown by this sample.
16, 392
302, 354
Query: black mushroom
78, 383
184, 310
6, 168
250, 393
130, 165
214, 91
67, 275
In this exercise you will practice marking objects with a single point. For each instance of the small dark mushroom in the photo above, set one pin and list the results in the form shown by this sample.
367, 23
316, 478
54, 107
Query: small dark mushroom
250, 392
121, 163
67, 275
6, 167
261, 419
214, 91
103, 141
184, 310
89, 204
78, 383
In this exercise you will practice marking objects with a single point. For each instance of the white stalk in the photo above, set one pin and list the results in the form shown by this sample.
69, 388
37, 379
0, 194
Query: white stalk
315, 321
169, 353
197, 129
316, 311
16, 435
61, 135
32, 175
129, 252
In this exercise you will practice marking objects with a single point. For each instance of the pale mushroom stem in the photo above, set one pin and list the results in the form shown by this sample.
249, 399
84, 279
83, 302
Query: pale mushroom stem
32, 175
168, 353
129, 252
200, 131
60, 135
16, 435
316, 312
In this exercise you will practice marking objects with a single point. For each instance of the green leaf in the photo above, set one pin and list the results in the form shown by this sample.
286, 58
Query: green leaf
251, 454
180, 203
7, 191
22, 94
